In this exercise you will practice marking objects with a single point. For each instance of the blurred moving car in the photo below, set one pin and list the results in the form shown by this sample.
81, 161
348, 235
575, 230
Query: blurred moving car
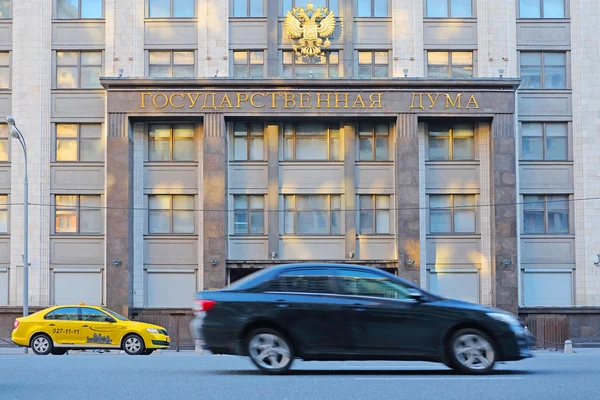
347, 312
81, 327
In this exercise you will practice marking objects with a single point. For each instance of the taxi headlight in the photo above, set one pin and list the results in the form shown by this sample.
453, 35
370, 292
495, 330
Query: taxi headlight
153, 330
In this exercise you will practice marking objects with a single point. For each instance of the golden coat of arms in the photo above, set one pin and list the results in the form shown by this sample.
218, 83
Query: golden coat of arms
307, 29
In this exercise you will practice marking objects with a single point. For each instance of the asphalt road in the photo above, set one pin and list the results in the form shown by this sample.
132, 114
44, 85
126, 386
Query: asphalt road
548, 376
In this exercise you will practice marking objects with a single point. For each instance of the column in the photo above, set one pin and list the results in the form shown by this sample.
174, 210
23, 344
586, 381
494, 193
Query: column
504, 197
497, 37
347, 15
272, 13
482, 131
273, 188
213, 38
407, 29
349, 140
31, 101
139, 215
407, 197
215, 200
119, 214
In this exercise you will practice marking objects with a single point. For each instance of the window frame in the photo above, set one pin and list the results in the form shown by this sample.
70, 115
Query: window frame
294, 213
61, 308
542, 68
79, 140
248, 8
545, 210
248, 63
8, 68
452, 209
5, 209
451, 140
7, 140
328, 65
171, 64
249, 137
171, 211
282, 11
566, 14
449, 16
172, 11
249, 212
294, 137
450, 63
374, 212
373, 65
372, 9
79, 66
172, 140
374, 137
544, 143
77, 209
9, 13
79, 8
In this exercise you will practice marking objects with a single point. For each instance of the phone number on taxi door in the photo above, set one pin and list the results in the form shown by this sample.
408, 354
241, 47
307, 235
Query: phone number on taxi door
66, 331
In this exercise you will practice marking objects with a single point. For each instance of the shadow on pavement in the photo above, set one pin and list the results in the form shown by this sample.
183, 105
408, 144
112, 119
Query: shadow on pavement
372, 372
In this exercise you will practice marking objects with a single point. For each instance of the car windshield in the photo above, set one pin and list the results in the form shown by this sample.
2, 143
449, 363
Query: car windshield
116, 315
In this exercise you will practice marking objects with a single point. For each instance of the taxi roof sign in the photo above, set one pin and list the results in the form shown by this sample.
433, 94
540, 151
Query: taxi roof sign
81, 303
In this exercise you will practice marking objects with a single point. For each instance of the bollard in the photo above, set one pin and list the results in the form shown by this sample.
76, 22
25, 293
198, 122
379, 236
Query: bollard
568, 347
198, 349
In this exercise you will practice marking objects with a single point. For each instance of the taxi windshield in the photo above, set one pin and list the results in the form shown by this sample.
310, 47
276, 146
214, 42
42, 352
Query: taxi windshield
116, 315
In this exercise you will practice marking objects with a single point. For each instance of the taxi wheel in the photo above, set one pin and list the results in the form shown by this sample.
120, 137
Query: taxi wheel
41, 344
133, 345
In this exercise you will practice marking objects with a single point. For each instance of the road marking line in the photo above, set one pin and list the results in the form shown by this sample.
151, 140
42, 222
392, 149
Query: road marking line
400, 378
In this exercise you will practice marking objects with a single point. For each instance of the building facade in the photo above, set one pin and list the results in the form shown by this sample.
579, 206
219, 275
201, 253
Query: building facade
177, 145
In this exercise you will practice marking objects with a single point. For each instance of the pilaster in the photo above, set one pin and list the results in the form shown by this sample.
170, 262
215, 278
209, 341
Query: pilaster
407, 30
273, 188
350, 205
485, 213
213, 38
497, 38
124, 21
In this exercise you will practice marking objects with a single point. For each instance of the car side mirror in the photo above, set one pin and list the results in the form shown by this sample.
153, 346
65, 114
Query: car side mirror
416, 295
109, 319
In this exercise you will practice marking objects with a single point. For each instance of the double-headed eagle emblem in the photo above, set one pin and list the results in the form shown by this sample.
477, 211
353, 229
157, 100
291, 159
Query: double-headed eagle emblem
307, 29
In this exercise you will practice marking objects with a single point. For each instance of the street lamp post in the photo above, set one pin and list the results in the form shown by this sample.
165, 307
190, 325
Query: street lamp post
16, 133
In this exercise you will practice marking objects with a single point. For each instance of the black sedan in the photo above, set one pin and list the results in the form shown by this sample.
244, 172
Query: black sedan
320, 312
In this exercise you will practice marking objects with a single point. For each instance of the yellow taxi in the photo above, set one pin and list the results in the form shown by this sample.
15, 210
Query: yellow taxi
81, 327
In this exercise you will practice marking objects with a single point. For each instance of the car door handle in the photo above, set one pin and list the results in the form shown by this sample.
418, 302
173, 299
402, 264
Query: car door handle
85, 326
51, 325
281, 303
357, 307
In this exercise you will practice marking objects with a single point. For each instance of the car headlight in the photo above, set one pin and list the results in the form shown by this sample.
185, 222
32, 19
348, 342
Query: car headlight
506, 318
152, 330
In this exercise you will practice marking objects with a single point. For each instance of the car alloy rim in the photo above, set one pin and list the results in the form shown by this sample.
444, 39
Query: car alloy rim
41, 344
133, 344
474, 352
269, 351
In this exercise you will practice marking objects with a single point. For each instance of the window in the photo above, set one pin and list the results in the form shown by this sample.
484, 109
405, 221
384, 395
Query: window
302, 281
248, 8
311, 141
373, 142
64, 314
78, 70
4, 143
171, 64
3, 213
171, 214
451, 141
373, 64
332, 5
312, 214
453, 64
79, 142
546, 214
4, 70
374, 214
249, 215
324, 66
168, 142
91, 314
452, 214
171, 8
77, 214
248, 64
371, 284
544, 141
78, 9
449, 9
4, 9
542, 8
248, 141
372, 8
549, 74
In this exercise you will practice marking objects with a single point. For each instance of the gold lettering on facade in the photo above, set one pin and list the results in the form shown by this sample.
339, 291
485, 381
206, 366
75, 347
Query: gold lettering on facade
172, 103
144, 99
359, 99
432, 100
212, 100
455, 103
287, 99
156, 97
225, 100
305, 97
472, 101
373, 102
193, 100
337, 100
412, 103
241, 98
253, 104
319, 100
274, 99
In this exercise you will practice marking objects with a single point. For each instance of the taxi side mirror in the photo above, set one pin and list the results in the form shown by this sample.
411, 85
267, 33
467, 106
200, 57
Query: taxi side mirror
415, 295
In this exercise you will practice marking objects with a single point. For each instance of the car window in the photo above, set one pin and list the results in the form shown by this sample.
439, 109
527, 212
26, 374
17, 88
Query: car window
303, 280
365, 283
115, 314
91, 314
64, 314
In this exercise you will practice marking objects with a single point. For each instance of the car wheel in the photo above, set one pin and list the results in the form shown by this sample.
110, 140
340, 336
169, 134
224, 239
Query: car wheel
270, 351
133, 345
58, 352
472, 352
147, 352
41, 344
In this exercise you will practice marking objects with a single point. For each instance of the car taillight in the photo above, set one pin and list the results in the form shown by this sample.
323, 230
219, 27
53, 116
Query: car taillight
16, 324
204, 305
